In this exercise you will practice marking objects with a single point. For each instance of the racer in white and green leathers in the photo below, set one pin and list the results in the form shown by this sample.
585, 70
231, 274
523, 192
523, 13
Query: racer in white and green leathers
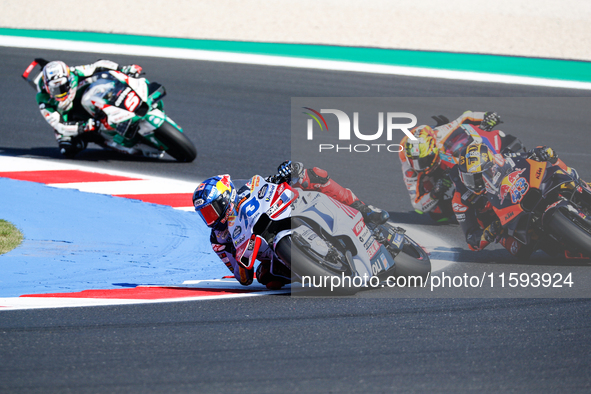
59, 92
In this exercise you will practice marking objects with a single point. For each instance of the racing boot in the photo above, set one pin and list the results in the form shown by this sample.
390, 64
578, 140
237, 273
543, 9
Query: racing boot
70, 146
370, 213
273, 275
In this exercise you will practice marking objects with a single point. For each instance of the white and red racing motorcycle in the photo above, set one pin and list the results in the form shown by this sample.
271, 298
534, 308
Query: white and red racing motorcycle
318, 237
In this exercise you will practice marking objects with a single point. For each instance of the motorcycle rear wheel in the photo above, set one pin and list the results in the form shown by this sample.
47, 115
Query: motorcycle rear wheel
572, 229
179, 146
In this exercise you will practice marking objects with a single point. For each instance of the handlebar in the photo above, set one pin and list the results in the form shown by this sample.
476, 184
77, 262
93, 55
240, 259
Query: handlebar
278, 178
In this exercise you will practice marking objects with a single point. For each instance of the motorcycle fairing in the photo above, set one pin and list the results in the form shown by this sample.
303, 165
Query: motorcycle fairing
559, 177
119, 96
382, 262
346, 224
138, 85
34, 82
282, 199
265, 198
248, 255
543, 179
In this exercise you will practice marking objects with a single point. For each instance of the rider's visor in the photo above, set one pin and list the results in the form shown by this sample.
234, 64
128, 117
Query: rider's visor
59, 88
423, 163
212, 212
473, 181
209, 214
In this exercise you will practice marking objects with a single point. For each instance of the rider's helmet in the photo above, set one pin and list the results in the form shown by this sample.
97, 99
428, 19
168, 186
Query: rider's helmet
476, 166
422, 153
214, 200
57, 79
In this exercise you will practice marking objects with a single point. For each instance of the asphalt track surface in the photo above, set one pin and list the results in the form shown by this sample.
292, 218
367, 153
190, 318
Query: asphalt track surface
238, 117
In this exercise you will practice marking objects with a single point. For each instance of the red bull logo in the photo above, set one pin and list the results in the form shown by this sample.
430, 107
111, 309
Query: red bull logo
514, 185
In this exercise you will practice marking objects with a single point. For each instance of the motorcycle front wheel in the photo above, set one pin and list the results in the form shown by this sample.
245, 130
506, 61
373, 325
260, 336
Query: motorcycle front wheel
573, 229
177, 143
412, 261
306, 264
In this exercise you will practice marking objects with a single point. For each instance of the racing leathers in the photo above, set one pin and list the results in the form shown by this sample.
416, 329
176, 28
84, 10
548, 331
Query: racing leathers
317, 179
71, 123
475, 213
428, 189
270, 271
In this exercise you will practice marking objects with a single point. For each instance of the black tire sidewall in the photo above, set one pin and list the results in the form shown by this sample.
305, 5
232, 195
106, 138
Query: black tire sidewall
179, 146
564, 228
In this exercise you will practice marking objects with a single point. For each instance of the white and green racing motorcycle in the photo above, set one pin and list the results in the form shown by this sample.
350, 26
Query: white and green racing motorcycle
130, 115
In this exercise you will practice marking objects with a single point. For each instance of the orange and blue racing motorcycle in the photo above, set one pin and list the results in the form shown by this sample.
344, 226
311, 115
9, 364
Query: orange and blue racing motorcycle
543, 206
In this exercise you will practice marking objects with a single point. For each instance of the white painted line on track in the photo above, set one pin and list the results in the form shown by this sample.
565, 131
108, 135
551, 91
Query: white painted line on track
11, 163
188, 209
14, 303
149, 186
283, 61
146, 184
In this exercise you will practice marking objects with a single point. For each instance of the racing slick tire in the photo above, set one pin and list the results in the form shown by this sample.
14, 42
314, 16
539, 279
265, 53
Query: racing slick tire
412, 262
306, 265
179, 146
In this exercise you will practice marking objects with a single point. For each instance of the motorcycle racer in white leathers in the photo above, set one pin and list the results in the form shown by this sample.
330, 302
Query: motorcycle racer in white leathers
216, 198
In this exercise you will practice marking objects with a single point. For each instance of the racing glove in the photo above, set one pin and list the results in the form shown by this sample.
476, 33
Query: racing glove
289, 170
441, 187
491, 119
133, 70
90, 126
284, 169
543, 153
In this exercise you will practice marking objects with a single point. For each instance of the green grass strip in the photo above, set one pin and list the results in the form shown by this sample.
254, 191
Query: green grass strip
571, 70
10, 236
